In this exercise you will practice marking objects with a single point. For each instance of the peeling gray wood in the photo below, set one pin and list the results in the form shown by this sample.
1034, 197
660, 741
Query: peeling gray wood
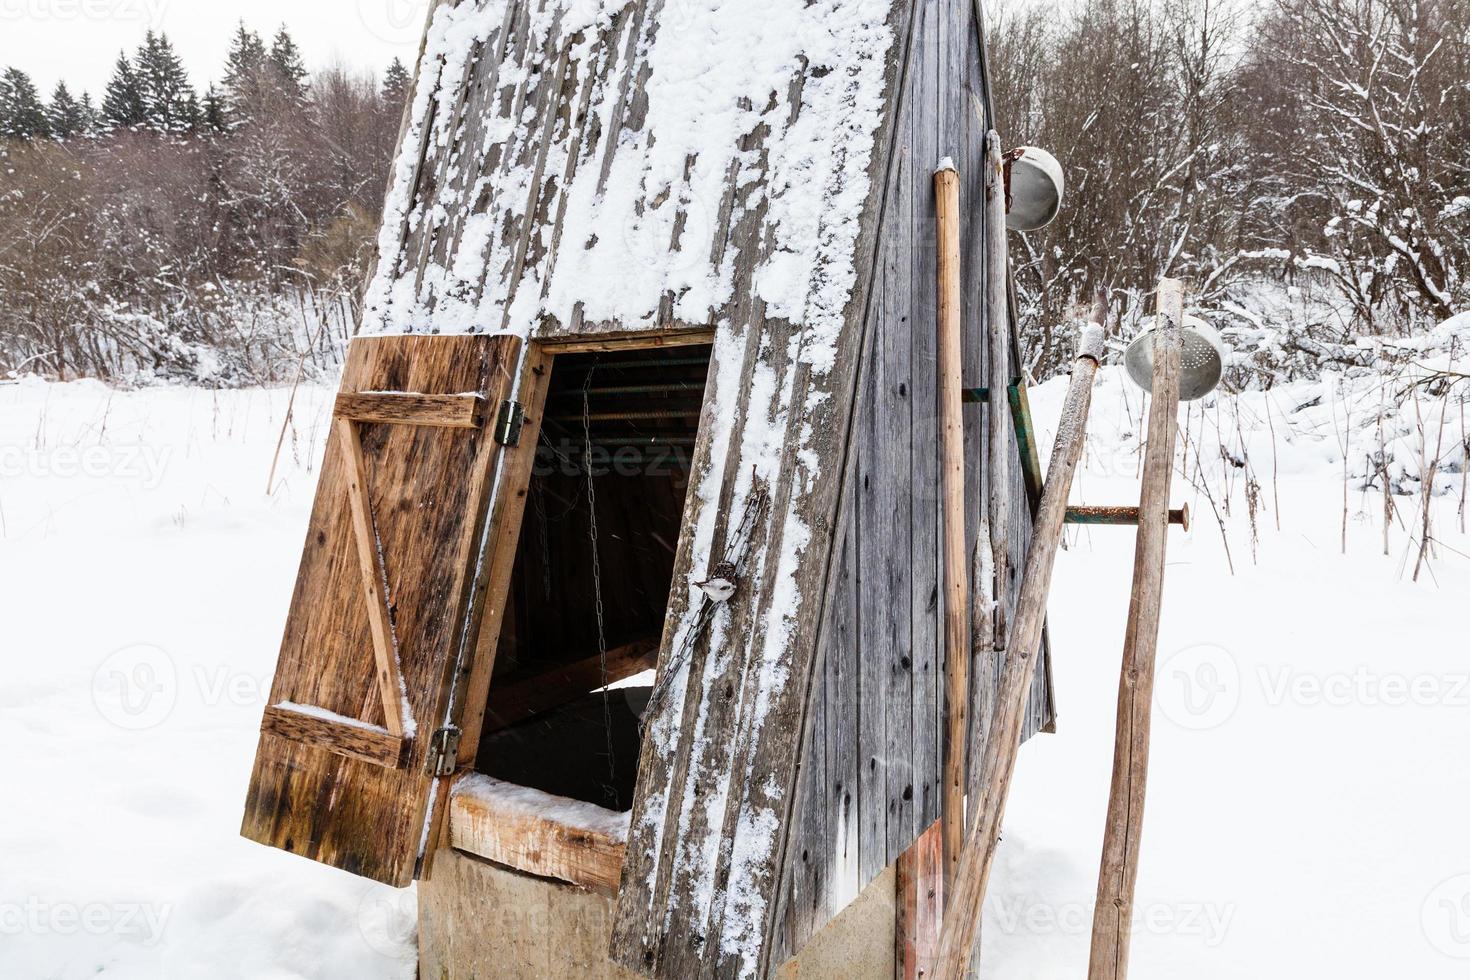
945, 103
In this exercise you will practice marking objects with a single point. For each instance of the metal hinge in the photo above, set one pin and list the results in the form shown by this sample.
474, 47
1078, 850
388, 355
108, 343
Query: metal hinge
444, 751
508, 423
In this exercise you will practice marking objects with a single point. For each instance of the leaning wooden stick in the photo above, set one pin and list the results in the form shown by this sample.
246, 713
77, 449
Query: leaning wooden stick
952, 480
1113, 917
962, 911
998, 326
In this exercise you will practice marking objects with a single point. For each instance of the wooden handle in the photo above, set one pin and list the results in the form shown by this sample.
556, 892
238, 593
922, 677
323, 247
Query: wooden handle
1118, 875
952, 483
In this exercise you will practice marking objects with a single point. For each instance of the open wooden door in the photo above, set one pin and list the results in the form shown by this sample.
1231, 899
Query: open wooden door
363, 716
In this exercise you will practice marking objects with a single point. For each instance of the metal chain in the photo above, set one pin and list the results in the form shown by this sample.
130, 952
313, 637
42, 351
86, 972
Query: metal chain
612, 767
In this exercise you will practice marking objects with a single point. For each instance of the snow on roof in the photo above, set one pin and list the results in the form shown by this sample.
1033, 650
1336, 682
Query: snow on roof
583, 164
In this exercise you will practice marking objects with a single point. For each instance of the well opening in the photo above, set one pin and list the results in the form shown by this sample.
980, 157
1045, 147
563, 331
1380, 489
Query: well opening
593, 569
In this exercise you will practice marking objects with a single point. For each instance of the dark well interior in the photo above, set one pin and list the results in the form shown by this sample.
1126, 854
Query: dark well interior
638, 410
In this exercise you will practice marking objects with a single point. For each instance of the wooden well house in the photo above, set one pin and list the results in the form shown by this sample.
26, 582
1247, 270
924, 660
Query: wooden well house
647, 380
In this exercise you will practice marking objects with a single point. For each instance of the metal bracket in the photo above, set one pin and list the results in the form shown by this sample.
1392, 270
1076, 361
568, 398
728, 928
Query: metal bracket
444, 751
509, 422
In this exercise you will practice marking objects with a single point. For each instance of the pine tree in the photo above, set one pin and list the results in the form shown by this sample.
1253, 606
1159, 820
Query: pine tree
122, 104
89, 115
169, 103
244, 76
22, 115
288, 69
396, 82
212, 111
68, 117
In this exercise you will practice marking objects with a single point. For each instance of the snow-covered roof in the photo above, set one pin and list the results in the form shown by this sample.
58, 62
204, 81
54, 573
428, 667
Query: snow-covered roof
580, 165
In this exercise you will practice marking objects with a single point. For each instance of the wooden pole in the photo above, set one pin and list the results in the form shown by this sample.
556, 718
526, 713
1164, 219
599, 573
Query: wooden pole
1118, 876
998, 329
919, 884
962, 910
952, 482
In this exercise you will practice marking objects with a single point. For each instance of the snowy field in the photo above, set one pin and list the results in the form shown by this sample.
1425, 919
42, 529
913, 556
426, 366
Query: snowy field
1308, 789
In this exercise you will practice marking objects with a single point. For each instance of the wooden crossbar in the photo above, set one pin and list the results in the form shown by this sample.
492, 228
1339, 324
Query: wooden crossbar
374, 584
402, 408
526, 697
354, 740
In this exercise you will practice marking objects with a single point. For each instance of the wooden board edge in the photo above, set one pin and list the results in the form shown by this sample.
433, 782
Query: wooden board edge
500, 827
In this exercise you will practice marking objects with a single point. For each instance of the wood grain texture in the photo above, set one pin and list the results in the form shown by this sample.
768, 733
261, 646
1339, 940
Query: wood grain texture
919, 889
997, 278
952, 480
427, 490
373, 586
370, 744
711, 826
878, 713
525, 830
402, 408
962, 912
1112, 924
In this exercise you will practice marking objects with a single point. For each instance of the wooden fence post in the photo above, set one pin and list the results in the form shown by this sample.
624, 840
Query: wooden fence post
1118, 876
963, 905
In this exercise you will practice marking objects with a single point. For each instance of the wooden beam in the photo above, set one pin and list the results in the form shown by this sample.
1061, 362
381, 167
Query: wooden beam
373, 581
998, 327
962, 912
919, 904
1122, 837
402, 408
686, 337
344, 736
538, 833
952, 481
530, 696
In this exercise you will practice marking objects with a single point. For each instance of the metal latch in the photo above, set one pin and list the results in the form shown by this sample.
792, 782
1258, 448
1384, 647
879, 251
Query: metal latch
509, 422
444, 751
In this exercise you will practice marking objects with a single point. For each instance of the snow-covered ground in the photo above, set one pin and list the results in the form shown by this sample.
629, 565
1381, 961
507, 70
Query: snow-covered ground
1308, 788
145, 576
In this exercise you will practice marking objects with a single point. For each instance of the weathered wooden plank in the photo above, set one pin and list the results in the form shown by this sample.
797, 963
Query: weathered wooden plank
537, 832
402, 408
886, 605
345, 737
926, 700
1112, 923
428, 493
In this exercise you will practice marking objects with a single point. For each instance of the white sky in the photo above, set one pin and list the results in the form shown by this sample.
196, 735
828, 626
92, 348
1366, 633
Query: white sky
79, 40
